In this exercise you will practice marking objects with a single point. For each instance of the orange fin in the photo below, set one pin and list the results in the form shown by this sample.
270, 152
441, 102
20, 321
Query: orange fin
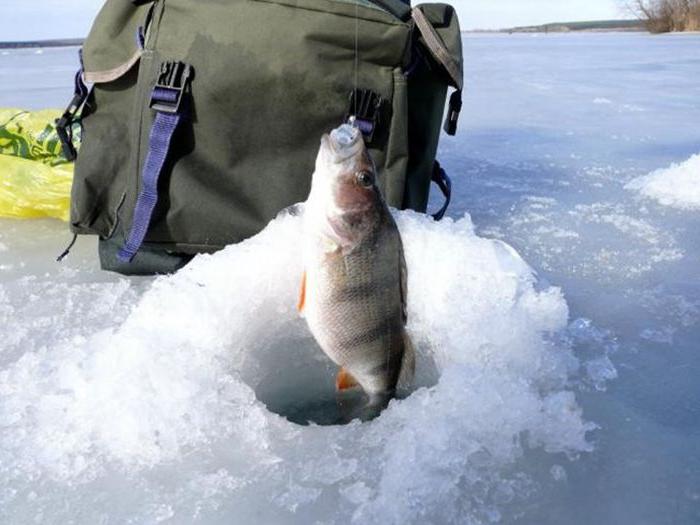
344, 380
302, 294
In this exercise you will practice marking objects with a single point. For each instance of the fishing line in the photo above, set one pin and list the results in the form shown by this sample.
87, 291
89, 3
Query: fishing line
357, 55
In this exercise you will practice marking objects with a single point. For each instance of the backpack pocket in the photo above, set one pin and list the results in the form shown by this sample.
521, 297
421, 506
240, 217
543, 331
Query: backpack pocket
111, 57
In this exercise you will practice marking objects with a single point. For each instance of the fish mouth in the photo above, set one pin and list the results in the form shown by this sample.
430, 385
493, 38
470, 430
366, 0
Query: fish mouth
345, 136
343, 142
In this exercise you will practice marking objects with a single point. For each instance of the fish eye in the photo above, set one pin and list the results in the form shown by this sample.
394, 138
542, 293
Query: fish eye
364, 178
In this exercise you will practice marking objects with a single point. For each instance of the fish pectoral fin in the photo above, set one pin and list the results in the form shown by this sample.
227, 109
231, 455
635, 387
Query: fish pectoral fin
302, 294
344, 380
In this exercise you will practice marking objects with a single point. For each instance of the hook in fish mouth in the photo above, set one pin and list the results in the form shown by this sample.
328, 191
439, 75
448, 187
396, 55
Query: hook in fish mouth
343, 142
345, 136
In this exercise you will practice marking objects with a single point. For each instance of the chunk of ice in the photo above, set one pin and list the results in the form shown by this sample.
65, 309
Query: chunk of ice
677, 186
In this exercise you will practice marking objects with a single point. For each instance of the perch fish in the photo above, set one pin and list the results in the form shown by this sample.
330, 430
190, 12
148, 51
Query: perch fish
353, 292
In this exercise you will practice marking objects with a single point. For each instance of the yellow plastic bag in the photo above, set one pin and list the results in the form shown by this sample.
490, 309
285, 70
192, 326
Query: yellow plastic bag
35, 178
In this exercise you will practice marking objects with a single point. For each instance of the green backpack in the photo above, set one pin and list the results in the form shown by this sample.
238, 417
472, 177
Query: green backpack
204, 117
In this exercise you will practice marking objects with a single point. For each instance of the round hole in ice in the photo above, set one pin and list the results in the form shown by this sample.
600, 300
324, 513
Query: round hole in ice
293, 378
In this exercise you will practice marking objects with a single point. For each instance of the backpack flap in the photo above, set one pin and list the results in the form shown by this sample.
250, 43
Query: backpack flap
116, 40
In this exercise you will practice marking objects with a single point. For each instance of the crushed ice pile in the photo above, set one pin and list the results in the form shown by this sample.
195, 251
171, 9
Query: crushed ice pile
677, 186
154, 400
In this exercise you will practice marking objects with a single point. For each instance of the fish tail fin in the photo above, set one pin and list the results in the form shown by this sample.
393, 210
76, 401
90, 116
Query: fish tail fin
408, 362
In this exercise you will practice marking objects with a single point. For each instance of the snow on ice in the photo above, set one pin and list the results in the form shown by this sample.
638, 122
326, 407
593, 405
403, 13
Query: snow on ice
677, 186
163, 407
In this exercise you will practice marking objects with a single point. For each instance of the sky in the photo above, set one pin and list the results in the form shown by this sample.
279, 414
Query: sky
27, 20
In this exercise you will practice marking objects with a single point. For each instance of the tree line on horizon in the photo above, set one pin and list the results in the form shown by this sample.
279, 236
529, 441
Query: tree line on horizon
664, 16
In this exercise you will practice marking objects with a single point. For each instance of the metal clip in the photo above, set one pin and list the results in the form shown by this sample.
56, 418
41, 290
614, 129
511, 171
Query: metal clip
168, 92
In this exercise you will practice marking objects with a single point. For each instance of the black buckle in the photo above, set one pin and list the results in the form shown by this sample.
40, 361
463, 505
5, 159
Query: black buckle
65, 135
172, 82
454, 108
64, 124
364, 111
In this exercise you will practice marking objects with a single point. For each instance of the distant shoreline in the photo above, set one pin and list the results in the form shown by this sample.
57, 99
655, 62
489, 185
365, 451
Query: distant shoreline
64, 42
543, 32
594, 26
605, 26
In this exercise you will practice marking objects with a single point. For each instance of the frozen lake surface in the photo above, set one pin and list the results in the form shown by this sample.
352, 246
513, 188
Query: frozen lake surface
570, 395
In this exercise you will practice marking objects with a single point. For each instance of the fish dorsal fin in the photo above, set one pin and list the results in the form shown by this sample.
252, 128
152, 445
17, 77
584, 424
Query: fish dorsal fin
344, 380
302, 294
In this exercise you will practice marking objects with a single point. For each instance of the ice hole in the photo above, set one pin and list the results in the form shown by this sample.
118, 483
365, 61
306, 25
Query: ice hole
293, 378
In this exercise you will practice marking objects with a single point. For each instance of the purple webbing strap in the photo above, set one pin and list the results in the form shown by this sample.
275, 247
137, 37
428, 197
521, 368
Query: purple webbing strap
159, 144
364, 125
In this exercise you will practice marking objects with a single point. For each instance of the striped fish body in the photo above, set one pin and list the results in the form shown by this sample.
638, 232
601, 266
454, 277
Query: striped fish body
354, 289
354, 309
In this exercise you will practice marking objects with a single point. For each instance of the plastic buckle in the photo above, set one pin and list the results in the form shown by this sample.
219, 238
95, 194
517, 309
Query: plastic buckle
454, 108
65, 136
168, 92
365, 111
64, 124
